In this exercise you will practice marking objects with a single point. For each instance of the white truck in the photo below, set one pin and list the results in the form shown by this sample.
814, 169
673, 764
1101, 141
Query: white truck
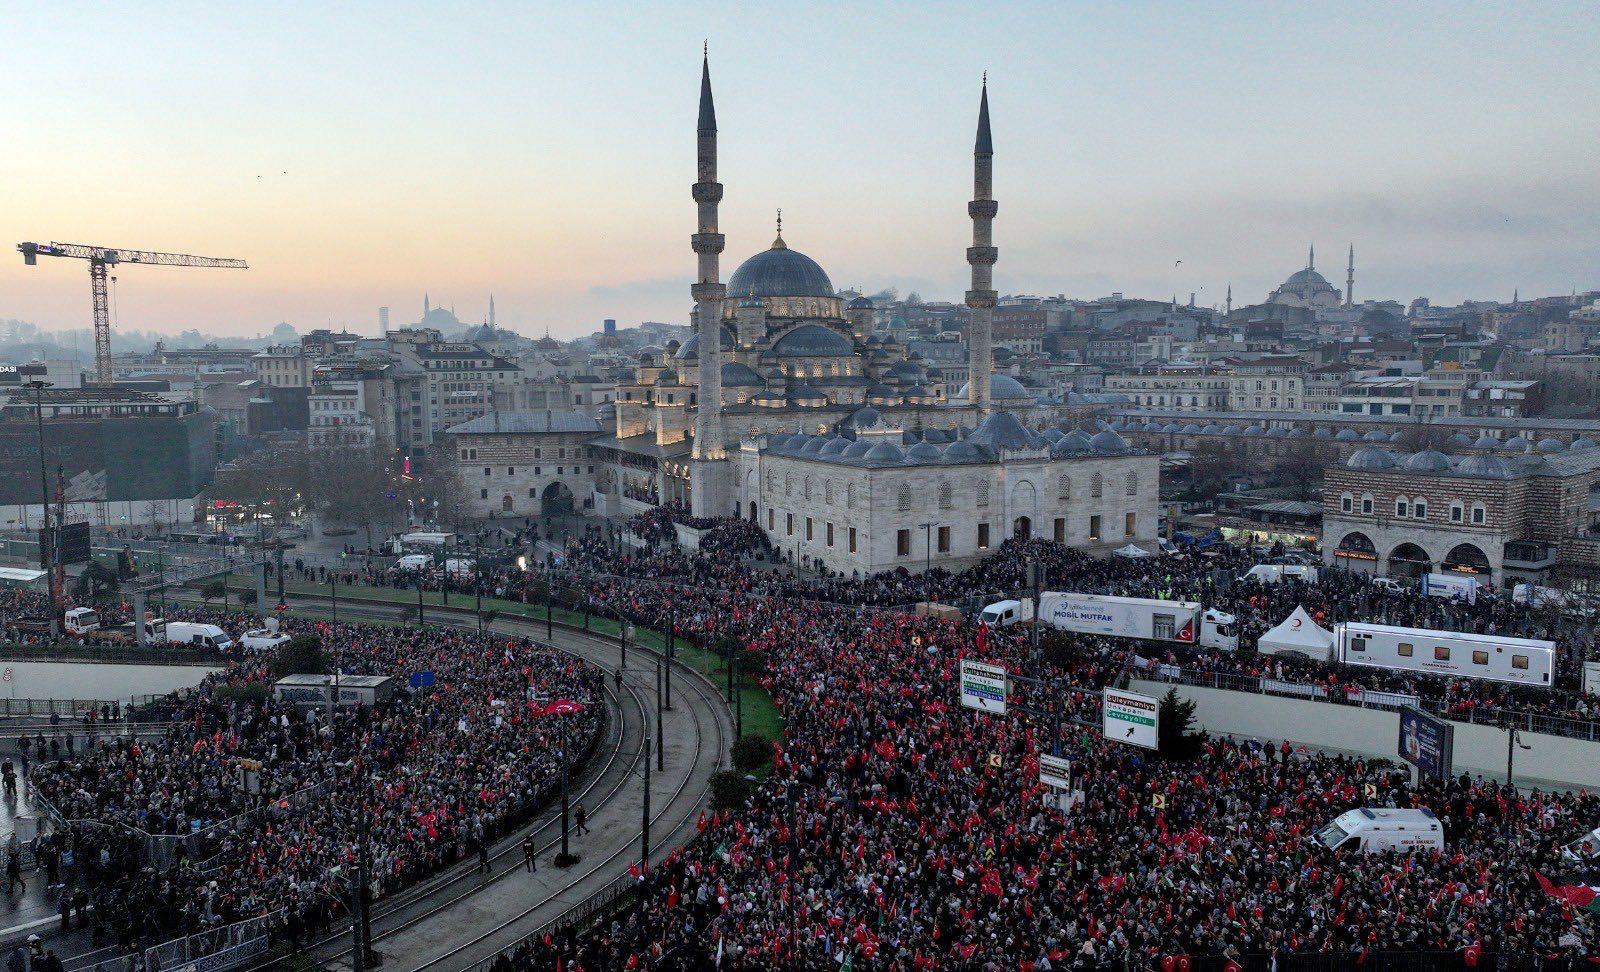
81, 621
1521, 661
198, 635
1122, 617
1276, 573
1374, 829
1452, 587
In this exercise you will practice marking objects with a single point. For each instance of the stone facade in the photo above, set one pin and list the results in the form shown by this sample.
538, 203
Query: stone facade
525, 463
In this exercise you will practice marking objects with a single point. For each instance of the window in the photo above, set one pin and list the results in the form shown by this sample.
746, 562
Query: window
511, 470
770, 514
1519, 661
830, 534
1455, 512
1401, 507
1419, 509
1366, 505
1097, 486
1478, 514
1128, 521
1406, 649
902, 543
1094, 527
487, 471
808, 529
852, 539
903, 498
849, 495
1358, 644
1441, 653
1347, 503
983, 494
944, 539
531, 493
1480, 657
983, 536
1133, 484
1064, 488
827, 492
946, 496
483, 494
788, 524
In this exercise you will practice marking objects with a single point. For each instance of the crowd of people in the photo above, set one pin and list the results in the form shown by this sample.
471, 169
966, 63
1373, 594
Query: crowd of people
899, 831
246, 806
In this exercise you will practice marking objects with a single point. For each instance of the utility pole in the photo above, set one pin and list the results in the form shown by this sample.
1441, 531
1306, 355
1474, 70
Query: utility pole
46, 535
1036, 581
644, 832
623, 625
661, 748
672, 624
927, 547
333, 592
419, 598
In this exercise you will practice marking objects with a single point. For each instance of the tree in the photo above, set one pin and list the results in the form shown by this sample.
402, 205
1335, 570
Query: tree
365, 493
729, 790
1209, 468
300, 655
1301, 469
96, 577
1176, 718
214, 589
1418, 438
751, 753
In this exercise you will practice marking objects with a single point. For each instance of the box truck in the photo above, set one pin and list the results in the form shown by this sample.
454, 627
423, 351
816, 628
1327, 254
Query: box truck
1122, 617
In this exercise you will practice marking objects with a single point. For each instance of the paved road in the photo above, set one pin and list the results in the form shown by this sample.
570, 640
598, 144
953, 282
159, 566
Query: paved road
461, 918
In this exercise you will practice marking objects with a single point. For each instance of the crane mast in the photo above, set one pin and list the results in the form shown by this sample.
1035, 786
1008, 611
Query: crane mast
99, 259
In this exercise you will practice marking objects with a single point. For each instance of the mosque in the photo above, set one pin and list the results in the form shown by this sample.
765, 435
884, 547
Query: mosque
785, 408
1310, 289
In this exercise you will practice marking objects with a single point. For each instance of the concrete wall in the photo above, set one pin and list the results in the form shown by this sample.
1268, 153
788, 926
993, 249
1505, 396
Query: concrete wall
1557, 760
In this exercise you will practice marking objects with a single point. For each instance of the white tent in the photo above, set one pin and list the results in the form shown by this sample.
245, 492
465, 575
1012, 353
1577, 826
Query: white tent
1298, 634
1132, 550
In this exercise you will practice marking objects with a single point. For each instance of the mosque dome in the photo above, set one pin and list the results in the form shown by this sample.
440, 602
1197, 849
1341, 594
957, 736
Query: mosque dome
812, 341
858, 303
884, 452
1515, 444
857, 448
1551, 445
961, 451
835, 446
690, 349
1376, 436
780, 272
1427, 461
806, 395
737, 375
925, 452
1347, 435
1370, 458
1109, 442
863, 418
1002, 430
1001, 388
1583, 443
1483, 466
1486, 442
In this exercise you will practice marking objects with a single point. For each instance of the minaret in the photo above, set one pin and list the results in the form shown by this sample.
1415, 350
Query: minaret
1230, 298
981, 255
1350, 279
425, 307
491, 311
709, 477
1311, 258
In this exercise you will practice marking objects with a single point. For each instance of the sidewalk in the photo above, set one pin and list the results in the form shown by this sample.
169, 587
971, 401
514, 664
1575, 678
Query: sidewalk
34, 909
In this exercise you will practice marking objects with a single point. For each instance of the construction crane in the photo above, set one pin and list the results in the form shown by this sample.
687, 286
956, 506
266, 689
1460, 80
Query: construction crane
101, 257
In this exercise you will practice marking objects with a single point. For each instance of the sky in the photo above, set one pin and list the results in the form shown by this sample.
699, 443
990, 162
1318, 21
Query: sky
363, 154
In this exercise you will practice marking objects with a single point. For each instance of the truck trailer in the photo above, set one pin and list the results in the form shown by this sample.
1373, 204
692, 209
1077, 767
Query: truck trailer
1520, 661
1122, 617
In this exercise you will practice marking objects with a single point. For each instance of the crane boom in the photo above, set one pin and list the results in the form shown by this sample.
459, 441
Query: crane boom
101, 257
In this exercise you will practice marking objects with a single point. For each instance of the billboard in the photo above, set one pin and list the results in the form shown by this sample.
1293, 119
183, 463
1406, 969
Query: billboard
74, 544
138, 457
983, 687
1426, 743
1055, 771
1131, 718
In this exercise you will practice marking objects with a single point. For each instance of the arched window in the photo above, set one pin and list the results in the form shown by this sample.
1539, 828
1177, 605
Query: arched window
1457, 512
1480, 515
1097, 486
788, 484
904, 498
849, 495
981, 493
1347, 503
1419, 508
1401, 507
827, 489
946, 496
1064, 488
807, 493
1366, 504
1133, 484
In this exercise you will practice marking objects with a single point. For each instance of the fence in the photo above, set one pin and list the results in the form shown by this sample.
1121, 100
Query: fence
44, 708
216, 948
1369, 699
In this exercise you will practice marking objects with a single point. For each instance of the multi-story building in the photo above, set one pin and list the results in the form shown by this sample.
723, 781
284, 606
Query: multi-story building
1500, 518
526, 463
462, 380
283, 366
1184, 389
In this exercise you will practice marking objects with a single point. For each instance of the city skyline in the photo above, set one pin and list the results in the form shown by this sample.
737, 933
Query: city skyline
549, 166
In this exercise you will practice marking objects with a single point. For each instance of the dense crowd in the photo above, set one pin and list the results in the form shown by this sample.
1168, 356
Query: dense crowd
431, 775
899, 831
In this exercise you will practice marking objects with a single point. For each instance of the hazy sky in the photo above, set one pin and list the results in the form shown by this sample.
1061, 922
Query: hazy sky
359, 154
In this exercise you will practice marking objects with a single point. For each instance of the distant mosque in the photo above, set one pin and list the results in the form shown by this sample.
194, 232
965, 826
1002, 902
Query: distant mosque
1308, 288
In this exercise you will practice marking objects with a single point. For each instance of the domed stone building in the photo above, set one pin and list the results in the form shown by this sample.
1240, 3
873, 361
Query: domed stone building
1307, 288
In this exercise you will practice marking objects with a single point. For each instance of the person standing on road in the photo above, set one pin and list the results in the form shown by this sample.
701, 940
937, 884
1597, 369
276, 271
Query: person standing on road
530, 854
582, 821
14, 865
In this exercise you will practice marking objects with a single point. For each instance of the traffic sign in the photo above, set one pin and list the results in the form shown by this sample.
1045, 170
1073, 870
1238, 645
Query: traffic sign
983, 687
1131, 718
1055, 771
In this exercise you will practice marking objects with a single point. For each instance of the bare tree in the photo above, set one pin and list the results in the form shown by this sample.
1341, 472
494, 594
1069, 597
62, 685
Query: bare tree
1301, 468
359, 488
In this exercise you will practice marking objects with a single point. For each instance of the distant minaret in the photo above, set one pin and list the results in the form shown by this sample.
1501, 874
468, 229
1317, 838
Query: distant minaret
1350, 279
425, 307
981, 256
491, 311
1516, 296
1311, 258
708, 482
1230, 297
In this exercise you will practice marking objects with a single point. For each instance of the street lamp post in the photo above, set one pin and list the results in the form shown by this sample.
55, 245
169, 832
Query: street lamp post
927, 547
45, 534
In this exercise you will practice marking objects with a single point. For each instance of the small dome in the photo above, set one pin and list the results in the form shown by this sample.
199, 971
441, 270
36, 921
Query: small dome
1212, 428
1253, 431
813, 445
884, 452
1529, 463
1298, 433
1346, 435
863, 418
1001, 388
906, 371
861, 303
936, 436
1231, 430
807, 395
1551, 445
1323, 432
1515, 444
812, 341
690, 349
882, 391
768, 398
1583, 443
1370, 458
1486, 442
1071, 444
1051, 434
775, 374
1461, 439
1277, 432
668, 377
925, 452
1173, 428
962, 451
1109, 443
1375, 436
917, 393
834, 446
1002, 430
1427, 461
1482, 466
737, 375
1193, 429
856, 450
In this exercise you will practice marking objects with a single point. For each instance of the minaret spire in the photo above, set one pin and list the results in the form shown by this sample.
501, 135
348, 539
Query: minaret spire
1311, 258
491, 310
708, 495
981, 256
1230, 298
425, 307
1350, 279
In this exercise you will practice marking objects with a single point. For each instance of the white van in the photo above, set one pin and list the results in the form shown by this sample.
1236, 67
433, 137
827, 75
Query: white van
1388, 585
1010, 611
1373, 829
1452, 586
415, 562
263, 639
1273, 573
198, 635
